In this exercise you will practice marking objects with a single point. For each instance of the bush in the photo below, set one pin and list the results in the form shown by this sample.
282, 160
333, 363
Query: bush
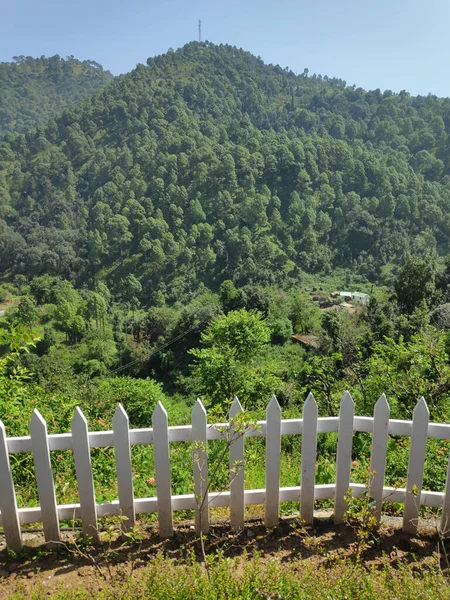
280, 330
138, 397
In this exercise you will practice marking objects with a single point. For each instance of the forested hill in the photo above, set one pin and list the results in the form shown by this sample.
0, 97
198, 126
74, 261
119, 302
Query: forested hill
206, 164
35, 89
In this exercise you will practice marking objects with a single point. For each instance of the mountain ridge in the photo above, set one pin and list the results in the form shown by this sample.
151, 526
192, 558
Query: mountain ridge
206, 164
36, 89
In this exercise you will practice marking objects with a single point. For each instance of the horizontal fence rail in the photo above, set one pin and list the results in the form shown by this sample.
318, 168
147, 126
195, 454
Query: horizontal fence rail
121, 438
183, 433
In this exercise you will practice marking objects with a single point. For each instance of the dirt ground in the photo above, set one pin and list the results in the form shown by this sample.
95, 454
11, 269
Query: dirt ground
39, 567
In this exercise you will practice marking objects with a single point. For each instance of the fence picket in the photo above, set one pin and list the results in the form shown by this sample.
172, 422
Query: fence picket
8, 502
309, 457
344, 456
122, 451
44, 477
378, 454
236, 471
162, 470
416, 463
444, 525
83, 467
200, 460
273, 456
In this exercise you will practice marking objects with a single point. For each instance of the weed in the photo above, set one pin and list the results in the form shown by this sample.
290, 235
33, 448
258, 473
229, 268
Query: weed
361, 517
309, 540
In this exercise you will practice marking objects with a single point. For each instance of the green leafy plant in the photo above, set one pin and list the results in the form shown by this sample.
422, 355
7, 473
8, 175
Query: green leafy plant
236, 428
360, 516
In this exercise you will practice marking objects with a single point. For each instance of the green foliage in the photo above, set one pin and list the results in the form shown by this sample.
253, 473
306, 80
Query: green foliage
100, 346
322, 375
405, 371
44, 288
360, 515
96, 309
244, 333
36, 89
226, 367
27, 313
415, 284
13, 375
254, 577
230, 299
280, 330
304, 315
139, 398
68, 319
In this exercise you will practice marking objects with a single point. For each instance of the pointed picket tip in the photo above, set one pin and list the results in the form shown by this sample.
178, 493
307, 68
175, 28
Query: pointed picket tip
421, 408
273, 401
347, 397
235, 407
237, 403
273, 408
310, 408
198, 409
310, 398
310, 401
37, 420
120, 415
347, 400
78, 417
160, 414
382, 404
382, 401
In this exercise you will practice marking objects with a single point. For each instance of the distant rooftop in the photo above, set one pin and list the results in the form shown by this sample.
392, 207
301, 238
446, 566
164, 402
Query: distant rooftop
307, 339
353, 294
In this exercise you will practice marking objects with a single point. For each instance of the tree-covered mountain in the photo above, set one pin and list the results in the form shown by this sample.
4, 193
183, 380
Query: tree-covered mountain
162, 227
35, 89
206, 164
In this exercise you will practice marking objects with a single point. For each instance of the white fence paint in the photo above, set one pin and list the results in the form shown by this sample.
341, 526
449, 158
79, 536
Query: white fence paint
83, 467
273, 463
80, 440
44, 476
309, 457
122, 450
344, 456
236, 471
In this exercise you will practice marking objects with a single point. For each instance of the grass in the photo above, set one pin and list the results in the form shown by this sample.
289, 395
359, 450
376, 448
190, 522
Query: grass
251, 577
339, 279
324, 562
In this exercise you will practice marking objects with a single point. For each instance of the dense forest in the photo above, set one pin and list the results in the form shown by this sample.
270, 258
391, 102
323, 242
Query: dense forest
206, 164
35, 89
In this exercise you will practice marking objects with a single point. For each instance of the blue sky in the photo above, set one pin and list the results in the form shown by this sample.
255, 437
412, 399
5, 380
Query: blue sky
386, 44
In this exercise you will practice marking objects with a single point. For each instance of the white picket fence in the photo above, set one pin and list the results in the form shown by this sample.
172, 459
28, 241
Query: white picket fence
80, 441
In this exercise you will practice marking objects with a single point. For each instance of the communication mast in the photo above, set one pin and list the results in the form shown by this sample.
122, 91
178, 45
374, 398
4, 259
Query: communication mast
199, 31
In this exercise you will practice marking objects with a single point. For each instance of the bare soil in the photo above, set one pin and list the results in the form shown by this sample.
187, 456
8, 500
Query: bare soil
12, 303
93, 569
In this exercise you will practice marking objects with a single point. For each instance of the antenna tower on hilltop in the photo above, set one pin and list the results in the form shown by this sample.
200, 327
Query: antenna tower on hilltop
199, 31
